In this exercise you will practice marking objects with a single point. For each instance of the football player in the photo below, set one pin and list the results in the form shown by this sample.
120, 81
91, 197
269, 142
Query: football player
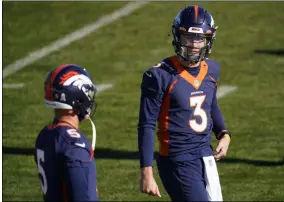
64, 156
180, 94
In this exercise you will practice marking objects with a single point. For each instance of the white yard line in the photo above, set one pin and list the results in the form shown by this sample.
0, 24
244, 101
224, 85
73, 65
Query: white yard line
225, 90
103, 87
13, 85
74, 36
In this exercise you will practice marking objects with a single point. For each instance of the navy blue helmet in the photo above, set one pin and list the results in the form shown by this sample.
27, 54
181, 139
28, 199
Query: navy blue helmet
193, 33
70, 87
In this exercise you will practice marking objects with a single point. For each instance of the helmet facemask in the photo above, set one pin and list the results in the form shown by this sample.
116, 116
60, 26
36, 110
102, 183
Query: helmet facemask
192, 47
91, 94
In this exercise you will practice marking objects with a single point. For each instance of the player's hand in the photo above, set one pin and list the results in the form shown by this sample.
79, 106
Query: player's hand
148, 184
222, 147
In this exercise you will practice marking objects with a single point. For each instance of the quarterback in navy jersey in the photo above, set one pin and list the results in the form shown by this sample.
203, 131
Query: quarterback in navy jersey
64, 156
179, 94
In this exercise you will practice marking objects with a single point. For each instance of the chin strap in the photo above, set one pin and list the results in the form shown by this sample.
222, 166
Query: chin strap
94, 135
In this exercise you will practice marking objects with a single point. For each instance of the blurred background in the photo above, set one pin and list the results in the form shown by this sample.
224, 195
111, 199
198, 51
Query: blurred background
249, 47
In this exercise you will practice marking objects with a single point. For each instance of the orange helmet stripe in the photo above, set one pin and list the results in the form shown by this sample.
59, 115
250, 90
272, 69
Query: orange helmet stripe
195, 12
48, 85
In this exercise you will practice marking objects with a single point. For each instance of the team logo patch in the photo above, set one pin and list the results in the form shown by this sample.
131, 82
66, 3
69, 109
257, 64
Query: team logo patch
196, 83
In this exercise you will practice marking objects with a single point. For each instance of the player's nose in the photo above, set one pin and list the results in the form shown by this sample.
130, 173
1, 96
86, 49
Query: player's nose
197, 44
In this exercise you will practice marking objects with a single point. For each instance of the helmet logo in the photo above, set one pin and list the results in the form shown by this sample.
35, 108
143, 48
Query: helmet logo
77, 80
83, 83
67, 76
89, 91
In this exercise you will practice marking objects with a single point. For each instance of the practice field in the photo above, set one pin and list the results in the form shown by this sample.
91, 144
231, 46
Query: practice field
249, 47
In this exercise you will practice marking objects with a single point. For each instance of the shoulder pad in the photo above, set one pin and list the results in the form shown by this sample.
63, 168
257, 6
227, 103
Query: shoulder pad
164, 67
213, 68
77, 148
73, 137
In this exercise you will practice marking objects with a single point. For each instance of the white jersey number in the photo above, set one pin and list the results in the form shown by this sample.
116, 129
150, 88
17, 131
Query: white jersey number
40, 158
197, 101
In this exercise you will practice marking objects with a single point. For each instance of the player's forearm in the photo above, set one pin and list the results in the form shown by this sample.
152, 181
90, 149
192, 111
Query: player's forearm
218, 120
146, 146
217, 117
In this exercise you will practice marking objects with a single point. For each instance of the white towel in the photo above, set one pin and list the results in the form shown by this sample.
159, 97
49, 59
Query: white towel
213, 186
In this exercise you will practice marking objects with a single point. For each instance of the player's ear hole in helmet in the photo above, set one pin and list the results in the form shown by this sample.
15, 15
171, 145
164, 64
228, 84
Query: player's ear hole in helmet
70, 87
193, 32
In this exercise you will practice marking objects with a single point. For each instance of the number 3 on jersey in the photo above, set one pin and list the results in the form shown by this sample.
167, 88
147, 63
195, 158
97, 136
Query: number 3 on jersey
40, 159
197, 101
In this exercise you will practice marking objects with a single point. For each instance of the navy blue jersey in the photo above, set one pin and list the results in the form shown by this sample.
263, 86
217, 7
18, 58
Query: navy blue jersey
183, 102
66, 164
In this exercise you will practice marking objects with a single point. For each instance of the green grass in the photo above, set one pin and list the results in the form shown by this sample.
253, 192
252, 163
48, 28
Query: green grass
29, 26
119, 53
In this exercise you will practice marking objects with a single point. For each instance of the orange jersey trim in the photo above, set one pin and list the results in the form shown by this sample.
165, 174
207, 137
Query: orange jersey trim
48, 85
52, 126
64, 192
195, 12
163, 123
194, 81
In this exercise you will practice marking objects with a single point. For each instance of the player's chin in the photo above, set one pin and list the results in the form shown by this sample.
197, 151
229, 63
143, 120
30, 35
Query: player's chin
192, 53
